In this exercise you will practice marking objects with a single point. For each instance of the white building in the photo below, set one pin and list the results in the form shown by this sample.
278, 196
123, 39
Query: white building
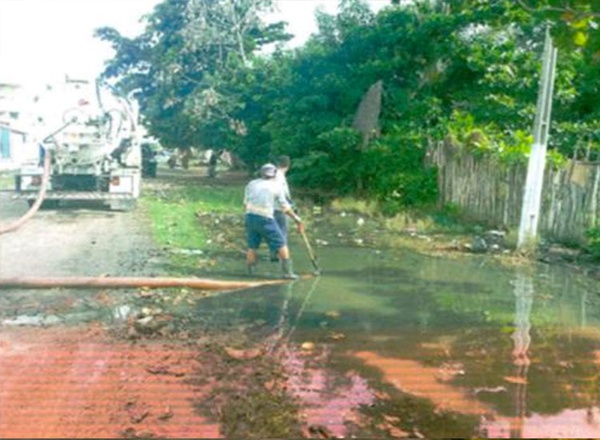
16, 147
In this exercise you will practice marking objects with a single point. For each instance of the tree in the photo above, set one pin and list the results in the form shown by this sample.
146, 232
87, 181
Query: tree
225, 24
574, 20
176, 66
450, 68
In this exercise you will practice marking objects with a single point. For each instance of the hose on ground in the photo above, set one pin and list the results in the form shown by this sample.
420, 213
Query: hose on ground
11, 227
80, 282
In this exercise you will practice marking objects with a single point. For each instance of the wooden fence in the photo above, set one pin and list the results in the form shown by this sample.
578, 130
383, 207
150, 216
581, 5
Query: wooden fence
492, 193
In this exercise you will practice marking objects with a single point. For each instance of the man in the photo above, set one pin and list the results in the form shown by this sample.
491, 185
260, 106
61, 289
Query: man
261, 197
283, 165
212, 163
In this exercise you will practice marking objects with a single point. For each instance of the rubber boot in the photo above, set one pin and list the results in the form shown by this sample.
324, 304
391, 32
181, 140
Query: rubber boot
251, 269
288, 272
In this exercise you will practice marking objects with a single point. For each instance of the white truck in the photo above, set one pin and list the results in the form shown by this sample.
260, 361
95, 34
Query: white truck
93, 138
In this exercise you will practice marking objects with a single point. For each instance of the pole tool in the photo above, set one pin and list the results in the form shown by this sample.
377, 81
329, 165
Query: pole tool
311, 254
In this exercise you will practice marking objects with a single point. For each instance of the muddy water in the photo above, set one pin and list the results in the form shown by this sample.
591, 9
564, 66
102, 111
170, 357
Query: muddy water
398, 344
395, 344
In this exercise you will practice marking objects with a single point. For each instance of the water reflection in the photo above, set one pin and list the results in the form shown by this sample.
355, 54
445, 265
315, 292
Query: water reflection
439, 332
328, 401
522, 339
122, 311
286, 326
525, 423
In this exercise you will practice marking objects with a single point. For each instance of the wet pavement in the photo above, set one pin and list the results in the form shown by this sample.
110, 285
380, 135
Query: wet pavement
391, 344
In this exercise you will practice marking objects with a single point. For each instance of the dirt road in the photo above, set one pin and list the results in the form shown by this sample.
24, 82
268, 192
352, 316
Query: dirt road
74, 240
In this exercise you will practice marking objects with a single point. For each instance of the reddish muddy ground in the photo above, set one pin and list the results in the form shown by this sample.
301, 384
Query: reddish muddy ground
80, 383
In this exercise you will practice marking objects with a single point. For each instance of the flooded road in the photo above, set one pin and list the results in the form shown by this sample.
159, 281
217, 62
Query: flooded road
390, 344
402, 345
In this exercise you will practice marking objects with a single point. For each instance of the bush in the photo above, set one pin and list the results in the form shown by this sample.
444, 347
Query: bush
394, 172
593, 244
334, 165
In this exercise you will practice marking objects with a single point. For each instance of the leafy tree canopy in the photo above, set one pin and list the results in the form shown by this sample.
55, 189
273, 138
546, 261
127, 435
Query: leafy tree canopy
465, 69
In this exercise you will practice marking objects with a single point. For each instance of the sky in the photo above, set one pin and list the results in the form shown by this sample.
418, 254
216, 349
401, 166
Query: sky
42, 40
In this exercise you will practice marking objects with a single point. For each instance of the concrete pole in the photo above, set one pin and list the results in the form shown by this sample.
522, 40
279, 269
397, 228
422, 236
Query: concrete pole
532, 197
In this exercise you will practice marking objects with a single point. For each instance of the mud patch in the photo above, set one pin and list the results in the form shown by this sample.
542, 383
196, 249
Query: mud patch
248, 394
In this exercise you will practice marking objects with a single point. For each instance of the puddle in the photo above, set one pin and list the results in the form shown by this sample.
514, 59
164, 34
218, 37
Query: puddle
478, 349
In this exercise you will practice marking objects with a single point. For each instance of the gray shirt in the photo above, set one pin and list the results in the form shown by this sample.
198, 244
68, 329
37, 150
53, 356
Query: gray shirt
262, 196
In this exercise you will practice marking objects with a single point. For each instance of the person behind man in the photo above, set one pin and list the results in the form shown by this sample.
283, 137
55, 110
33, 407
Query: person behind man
261, 196
283, 165
212, 163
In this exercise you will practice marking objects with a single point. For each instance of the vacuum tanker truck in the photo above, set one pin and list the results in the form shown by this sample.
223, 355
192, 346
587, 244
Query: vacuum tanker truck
92, 135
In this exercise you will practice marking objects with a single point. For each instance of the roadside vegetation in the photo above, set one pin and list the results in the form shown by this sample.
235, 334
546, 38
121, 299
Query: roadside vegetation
451, 71
175, 211
199, 221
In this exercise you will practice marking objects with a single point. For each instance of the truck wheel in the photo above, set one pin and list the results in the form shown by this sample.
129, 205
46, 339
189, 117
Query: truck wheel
46, 204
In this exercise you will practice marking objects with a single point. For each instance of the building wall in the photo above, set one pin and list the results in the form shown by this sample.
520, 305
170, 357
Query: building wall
15, 150
5, 150
16, 147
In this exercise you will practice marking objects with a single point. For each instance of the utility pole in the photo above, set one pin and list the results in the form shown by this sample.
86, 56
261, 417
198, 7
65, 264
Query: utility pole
532, 197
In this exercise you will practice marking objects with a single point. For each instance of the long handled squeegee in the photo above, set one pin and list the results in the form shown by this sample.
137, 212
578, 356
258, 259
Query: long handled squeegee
311, 254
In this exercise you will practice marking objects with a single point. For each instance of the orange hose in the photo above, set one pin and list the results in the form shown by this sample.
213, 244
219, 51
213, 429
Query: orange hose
11, 227
130, 282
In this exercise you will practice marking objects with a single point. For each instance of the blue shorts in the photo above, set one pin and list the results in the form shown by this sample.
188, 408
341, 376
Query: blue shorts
281, 219
259, 228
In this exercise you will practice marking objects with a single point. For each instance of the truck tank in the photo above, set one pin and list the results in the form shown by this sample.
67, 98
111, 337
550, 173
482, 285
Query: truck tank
92, 135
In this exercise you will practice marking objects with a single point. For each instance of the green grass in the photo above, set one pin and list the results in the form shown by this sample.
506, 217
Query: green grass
425, 219
355, 205
216, 199
173, 213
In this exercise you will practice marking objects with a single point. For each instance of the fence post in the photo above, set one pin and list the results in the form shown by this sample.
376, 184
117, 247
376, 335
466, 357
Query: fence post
532, 196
